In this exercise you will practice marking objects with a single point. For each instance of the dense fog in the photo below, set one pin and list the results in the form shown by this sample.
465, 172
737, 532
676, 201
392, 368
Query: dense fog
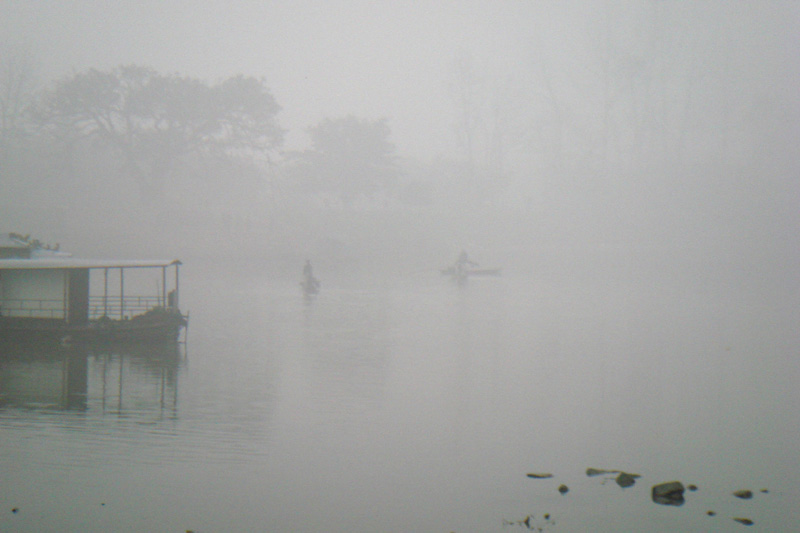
631, 137
619, 181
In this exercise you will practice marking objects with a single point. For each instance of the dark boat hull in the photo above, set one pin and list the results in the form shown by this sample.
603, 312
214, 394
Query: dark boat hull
154, 326
310, 286
451, 271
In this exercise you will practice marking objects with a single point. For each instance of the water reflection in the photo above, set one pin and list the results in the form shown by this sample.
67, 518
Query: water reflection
413, 394
345, 349
107, 378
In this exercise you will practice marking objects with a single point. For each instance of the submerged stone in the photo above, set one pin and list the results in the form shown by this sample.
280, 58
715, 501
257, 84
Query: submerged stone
670, 493
591, 472
743, 494
625, 479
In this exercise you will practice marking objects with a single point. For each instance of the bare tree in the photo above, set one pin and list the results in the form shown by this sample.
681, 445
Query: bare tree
17, 88
466, 90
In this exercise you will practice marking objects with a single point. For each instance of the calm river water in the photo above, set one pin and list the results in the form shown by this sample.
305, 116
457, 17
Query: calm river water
411, 404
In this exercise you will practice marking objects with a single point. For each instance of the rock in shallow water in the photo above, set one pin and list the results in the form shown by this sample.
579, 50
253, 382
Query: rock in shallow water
591, 472
670, 493
625, 479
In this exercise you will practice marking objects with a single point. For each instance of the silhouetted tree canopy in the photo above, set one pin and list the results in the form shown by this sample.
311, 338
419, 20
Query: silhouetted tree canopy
152, 120
349, 157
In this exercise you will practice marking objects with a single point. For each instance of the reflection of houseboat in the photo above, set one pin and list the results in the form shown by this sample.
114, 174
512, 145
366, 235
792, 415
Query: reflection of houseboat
45, 296
138, 379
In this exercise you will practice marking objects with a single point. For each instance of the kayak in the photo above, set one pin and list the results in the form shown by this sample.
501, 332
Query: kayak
451, 271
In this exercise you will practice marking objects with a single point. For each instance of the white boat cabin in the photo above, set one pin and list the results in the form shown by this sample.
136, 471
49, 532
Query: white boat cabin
59, 289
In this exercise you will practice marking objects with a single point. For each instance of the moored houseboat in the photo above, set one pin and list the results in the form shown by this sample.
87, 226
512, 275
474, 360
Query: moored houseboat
53, 297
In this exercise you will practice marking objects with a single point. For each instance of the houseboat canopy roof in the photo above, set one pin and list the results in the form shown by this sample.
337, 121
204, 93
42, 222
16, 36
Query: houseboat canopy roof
71, 263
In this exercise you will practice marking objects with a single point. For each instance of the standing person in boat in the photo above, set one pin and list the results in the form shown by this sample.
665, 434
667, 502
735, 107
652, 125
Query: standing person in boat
463, 263
310, 283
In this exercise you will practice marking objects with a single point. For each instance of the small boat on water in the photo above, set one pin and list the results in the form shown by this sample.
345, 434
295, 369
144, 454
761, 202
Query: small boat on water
464, 268
310, 284
54, 297
453, 271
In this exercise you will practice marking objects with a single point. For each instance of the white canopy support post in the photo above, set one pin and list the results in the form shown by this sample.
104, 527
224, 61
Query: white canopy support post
177, 291
121, 293
65, 302
105, 292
